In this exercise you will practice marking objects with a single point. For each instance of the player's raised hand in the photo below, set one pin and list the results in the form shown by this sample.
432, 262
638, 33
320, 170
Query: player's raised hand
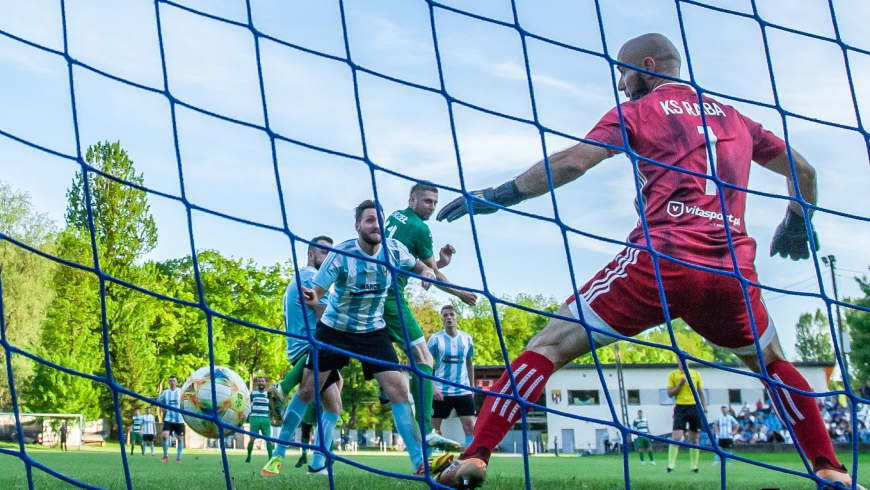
445, 255
790, 238
506, 195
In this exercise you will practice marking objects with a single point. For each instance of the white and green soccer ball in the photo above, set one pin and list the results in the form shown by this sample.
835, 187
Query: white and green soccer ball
231, 396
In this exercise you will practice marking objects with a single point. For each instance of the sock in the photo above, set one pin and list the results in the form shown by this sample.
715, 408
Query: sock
641, 456
294, 377
423, 405
468, 440
180, 446
250, 447
650, 457
673, 451
269, 447
327, 423
802, 412
694, 455
497, 416
292, 416
143, 449
166, 448
405, 425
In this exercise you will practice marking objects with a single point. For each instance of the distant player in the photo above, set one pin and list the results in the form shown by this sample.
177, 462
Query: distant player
723, 428
408, 227
173, 423
259, 418
686, 414
643, 444
136, 432
453, 352
63, 433
669, 128
353, 321
149, 429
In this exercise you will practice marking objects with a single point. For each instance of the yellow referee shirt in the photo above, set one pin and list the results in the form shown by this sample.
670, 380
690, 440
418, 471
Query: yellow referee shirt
684, 396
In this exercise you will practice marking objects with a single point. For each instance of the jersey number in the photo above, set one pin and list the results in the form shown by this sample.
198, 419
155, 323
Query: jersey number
711, 188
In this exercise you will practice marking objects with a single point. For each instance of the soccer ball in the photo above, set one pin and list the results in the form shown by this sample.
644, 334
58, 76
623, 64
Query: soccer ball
232, 400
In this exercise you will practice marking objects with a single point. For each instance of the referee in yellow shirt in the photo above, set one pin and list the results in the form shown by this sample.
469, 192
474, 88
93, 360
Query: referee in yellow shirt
685, 413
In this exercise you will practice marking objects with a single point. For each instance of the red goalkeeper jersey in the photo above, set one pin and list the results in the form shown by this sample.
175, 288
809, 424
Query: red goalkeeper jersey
683, 211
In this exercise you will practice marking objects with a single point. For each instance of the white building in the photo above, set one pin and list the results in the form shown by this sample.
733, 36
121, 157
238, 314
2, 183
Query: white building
578, 390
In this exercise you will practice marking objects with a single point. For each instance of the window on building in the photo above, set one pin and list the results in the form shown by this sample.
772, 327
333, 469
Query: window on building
634, 397
664, 399
735, 397
583, 397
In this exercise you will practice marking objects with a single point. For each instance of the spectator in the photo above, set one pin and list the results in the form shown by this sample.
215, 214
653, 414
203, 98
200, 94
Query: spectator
865, 391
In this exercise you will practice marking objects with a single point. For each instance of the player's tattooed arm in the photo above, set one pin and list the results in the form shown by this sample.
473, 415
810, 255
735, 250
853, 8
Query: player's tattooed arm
791, 237
564, 166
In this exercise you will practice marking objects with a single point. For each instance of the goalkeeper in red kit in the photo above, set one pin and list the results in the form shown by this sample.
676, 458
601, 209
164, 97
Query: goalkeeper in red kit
692, 156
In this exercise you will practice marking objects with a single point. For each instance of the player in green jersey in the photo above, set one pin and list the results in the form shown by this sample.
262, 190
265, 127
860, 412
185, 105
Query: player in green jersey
409, 228
136, 432
259, 418
643, 444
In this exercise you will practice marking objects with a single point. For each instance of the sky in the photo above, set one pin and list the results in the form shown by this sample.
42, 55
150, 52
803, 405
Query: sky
343, 86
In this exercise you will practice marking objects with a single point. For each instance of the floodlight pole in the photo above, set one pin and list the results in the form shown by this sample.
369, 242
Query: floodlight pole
831, 262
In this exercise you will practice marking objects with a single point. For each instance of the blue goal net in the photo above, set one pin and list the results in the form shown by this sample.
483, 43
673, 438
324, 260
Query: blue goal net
258, 124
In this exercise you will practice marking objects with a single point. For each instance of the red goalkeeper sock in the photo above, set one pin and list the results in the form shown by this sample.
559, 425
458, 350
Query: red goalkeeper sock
497, 416
803, 413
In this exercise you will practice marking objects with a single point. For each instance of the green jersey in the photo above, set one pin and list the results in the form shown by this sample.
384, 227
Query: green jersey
259, 404
137, 424
408, 229
641, 425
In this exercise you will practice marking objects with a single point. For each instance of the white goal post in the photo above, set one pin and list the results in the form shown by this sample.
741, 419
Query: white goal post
42, 428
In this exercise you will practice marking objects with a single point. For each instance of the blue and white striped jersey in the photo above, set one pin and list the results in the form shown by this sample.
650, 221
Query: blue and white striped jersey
294, 319
357, 302
450, 354
149, 424
173, 399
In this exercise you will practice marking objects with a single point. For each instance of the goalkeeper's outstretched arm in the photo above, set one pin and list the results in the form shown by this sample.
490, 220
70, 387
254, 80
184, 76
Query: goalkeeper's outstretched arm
806, 178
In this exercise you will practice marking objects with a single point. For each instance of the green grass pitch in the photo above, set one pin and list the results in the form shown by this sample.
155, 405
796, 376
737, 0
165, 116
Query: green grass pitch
202, 470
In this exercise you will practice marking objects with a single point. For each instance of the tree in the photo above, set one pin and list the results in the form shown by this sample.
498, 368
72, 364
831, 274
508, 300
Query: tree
124, 231
26, 280
858, 322
814, 338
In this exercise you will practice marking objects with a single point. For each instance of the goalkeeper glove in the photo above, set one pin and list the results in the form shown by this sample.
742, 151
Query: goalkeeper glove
505, 195
790, 238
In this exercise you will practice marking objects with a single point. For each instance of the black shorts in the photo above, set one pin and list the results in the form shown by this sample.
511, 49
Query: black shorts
170, 427
687, 415
464, 405
375, 345
147, 437
726, 443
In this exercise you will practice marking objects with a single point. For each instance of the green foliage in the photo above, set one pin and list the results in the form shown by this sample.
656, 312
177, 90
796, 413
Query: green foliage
814, 338
26, 281
858, 322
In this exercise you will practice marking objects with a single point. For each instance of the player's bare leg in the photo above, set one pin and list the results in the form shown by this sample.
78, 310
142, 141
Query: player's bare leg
801, 412
560, 342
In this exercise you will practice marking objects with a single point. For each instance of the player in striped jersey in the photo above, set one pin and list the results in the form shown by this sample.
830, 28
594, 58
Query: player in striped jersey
692, 155
723, 428
353, 321
136, 432
453, 352
643, 444
149, 429
173, 423
259, 417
